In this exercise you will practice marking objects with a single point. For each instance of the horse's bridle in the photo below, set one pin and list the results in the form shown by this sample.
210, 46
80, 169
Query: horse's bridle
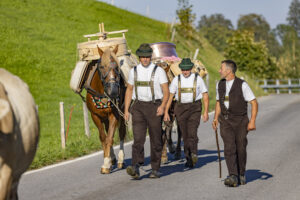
112, 66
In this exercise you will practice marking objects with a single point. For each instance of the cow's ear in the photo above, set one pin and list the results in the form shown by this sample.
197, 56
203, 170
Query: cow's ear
6, 115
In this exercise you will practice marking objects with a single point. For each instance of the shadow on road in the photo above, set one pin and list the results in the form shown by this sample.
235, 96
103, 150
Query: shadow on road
174, 166
256, 174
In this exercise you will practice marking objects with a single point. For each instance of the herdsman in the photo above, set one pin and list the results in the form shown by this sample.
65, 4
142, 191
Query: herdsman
233, 95
148, 88
188, 89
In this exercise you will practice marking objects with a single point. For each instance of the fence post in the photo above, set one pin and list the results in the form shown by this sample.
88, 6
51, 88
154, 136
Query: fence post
290, 83
265, 84
173, 23
277, 89
196, 54
207, 81
173, 34
62, 125
86, 120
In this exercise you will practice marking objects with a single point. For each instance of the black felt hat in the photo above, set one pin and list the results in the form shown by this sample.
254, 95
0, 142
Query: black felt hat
186, 64
144, 50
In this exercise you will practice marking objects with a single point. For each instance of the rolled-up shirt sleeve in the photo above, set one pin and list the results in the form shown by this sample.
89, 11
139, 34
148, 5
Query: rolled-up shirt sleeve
217, 92
131, 77
247, 92
173, 86
203, 87
162, 76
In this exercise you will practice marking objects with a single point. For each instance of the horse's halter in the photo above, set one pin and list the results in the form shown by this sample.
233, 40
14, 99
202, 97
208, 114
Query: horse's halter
103, 73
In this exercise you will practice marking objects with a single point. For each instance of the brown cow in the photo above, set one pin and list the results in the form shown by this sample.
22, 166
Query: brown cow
19, 132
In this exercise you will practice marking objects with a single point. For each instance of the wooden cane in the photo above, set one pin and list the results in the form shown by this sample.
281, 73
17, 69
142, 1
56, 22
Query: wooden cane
220, 167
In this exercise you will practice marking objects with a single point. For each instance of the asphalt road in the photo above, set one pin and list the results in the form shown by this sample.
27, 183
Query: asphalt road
273, 167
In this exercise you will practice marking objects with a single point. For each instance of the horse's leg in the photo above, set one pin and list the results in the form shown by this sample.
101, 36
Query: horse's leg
105, 169
112, 153
171, 146
109, 139
122, 134
178, 146
164, 156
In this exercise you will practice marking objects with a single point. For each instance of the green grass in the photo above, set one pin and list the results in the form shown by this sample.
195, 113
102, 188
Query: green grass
38, 43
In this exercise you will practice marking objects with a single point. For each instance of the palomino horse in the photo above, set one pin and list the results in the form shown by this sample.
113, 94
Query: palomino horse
107, 88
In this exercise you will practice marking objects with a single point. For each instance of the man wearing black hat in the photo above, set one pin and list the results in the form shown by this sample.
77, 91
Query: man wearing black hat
148, 88
233, 95
189, 89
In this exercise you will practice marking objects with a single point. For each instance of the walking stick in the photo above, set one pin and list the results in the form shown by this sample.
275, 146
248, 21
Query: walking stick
217, 140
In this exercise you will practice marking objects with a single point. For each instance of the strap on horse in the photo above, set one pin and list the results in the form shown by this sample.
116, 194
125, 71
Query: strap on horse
87, 84
145, 83
93, 92
187, 90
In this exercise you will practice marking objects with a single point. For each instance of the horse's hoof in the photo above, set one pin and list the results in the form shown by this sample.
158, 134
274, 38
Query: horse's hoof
114, 161
177, 155
105, 170
171, 149
164, 160
121, 165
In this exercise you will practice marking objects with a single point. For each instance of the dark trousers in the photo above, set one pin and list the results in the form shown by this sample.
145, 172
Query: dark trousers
188, 117
143, 118
234, 134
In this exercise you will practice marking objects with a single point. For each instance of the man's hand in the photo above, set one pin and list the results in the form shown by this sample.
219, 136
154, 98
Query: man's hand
205, 117
215, 124
251, 126
166, 117
160, 110
126, 116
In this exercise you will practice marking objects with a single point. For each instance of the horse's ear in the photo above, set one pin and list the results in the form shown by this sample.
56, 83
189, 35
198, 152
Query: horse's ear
116, 49
100, 51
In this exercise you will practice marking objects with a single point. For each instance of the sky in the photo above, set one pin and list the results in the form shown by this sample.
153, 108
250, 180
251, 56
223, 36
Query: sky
274, 11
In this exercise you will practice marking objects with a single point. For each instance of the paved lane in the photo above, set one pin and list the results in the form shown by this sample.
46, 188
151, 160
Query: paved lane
273, 168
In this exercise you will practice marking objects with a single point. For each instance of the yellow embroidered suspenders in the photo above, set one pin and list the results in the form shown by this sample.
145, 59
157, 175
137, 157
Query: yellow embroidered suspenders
187, 90
145, 83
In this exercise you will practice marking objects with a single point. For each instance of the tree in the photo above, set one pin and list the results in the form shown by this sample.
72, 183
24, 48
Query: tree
289, 61
294, 15
251, 57
215, 19
262, 31
216, 29
186, 17
256, 24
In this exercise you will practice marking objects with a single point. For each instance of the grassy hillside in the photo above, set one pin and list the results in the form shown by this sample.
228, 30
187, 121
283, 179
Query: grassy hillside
38, 43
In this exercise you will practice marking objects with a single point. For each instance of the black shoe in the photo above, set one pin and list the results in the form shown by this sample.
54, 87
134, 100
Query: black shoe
134, 172
154, 174
231, 181
194, 159
242, 179
189, 163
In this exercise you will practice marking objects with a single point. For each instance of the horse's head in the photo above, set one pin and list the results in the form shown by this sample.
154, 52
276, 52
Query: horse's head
109, 71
